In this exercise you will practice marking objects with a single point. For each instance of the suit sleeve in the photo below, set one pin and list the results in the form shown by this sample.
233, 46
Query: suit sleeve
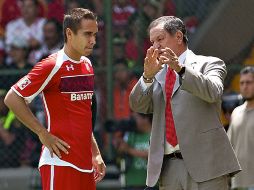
208, 84
140, 98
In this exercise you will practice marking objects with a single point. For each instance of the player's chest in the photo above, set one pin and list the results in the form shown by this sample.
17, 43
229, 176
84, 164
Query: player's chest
74, 78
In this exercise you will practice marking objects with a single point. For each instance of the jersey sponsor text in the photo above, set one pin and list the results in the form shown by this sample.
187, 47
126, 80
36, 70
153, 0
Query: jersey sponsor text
83, 96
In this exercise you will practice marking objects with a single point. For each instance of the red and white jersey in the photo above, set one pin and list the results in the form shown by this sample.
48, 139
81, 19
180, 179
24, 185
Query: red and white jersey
67, 88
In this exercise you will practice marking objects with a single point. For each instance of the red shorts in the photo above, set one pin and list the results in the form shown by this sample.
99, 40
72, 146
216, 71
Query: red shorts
65, 178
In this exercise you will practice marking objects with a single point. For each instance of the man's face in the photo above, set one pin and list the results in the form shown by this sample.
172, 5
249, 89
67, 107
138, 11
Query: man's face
161, 39
247, 86
50, 34
84, 40
29, 9
18, 54
121, 73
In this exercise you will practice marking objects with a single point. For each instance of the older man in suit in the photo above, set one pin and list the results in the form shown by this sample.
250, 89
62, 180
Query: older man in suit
189, 148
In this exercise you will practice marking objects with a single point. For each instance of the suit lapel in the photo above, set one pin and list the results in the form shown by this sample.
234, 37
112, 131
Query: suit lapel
176, 85
160, 77
188, 62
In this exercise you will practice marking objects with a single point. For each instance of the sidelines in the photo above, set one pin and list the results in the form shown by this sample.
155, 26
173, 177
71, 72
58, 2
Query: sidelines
27, 178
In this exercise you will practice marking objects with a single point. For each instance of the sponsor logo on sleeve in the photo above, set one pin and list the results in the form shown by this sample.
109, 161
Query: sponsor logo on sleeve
23, 83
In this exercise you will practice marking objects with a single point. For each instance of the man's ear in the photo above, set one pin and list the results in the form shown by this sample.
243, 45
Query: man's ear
179, 36
69, 33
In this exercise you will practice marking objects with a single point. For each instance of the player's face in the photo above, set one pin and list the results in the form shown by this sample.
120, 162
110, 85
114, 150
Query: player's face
161, 39
84, 40
247, 86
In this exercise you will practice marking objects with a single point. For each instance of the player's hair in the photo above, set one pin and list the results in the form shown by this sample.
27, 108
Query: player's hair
171, 24
73, 18
247, 70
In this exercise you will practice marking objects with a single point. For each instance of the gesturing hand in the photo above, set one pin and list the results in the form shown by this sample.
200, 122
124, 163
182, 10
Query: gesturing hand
99, 168
53, 143
167, 56
152, 65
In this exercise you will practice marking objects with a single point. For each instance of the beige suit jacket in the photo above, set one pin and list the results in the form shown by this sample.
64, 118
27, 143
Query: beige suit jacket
206, 150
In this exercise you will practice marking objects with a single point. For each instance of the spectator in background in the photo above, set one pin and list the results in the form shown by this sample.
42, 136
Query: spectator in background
138, 41
11, 137
2, 55
18, 53
134, 149
136, 45
229, 103
29, 27
168, 7
9, 10
122, 10
124, 82
118, 47
55, 9
241, 132
53, 41
3, 108
71, 4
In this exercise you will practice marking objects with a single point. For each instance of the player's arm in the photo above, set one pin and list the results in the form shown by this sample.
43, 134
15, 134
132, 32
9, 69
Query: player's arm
98, 163
19, 107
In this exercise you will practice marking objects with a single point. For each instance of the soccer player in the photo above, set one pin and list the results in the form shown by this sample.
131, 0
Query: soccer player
70, 157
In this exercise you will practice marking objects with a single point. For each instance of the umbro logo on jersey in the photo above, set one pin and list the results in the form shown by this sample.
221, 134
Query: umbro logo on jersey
83, 96
70, 67
23, 83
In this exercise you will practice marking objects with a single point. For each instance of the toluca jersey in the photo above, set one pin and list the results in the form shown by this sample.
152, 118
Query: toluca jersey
66, 87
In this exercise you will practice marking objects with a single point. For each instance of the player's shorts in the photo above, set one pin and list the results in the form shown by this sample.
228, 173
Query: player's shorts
65, 178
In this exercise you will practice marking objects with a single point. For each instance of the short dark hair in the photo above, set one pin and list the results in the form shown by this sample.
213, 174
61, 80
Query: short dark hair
247, 70
171, 24
57, 24
73, 18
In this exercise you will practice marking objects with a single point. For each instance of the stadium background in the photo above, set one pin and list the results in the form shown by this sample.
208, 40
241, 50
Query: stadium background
222, 28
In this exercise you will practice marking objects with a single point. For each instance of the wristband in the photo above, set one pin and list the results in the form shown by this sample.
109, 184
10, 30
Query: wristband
147, 80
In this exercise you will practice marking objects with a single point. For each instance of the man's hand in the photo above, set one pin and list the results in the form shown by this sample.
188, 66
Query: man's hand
123, 147
167, 56
99, 168
152, 65
53, 143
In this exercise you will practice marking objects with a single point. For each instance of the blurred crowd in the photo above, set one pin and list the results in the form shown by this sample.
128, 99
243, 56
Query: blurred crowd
30, 30
232, 97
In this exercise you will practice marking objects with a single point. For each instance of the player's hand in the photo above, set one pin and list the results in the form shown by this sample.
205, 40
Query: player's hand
152, 65
167, 56
99, 168
53, 143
